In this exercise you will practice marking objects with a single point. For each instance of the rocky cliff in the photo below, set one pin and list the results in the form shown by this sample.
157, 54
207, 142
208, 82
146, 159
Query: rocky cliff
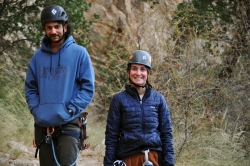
142, 25
131, 23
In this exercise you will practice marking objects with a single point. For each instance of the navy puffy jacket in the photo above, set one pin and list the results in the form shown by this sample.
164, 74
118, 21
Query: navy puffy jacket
133, 126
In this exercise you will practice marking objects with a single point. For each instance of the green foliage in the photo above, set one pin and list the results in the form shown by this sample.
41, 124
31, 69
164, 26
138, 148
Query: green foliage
200, 16
211, 58
21, 34
25, 21
16, 121
112, 72
152, 3
75, 10
203, 80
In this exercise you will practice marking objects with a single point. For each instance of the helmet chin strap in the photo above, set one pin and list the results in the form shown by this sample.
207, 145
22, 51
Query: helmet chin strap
141, 86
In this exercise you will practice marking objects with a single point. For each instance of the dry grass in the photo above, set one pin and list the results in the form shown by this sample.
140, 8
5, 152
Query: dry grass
210, 114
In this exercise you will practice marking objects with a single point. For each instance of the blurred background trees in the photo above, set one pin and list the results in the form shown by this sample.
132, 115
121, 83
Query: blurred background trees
21, 34
201, 64
203, 71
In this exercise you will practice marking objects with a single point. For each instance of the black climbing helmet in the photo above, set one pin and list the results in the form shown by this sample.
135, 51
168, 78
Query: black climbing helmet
53, 13
141, 57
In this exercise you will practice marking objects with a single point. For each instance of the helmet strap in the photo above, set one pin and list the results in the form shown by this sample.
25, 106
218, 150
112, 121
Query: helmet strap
141, 86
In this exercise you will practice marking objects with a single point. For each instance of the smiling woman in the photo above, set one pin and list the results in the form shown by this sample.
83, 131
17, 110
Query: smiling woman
139, 120
139, 65
138, 75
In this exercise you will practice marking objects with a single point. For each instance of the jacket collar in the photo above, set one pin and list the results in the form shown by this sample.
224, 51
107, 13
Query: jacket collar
133, 92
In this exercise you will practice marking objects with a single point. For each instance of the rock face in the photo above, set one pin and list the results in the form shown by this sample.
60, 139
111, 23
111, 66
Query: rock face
137, 22
131, 23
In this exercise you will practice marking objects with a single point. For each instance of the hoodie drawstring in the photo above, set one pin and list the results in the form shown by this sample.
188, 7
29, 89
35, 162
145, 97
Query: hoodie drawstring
50, 62
59, 60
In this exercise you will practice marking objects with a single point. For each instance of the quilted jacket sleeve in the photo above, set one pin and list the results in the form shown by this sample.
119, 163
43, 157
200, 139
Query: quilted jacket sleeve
112, 132
166, 134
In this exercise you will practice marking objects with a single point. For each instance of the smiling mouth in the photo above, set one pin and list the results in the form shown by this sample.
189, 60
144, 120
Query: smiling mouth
53, 36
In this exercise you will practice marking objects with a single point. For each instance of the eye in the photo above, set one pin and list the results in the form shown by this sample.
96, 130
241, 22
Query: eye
56, 27
47, 28
134, 68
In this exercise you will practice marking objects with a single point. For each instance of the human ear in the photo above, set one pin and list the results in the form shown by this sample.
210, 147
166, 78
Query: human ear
65, 27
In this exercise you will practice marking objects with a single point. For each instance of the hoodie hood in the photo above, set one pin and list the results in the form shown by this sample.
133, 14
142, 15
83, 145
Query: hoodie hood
46, 47
52, 87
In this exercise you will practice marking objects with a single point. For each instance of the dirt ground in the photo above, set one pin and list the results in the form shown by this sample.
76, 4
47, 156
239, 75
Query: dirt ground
87, 157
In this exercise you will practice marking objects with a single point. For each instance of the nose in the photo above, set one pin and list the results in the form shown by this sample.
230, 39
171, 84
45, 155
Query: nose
53, 30
138, 72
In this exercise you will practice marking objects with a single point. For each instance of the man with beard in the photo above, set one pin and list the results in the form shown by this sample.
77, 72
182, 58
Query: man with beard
58, 88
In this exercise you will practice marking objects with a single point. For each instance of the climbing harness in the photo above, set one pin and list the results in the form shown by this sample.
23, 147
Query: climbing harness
119, 163
82, 122
50, 131
54, 153
82, 137
147, 162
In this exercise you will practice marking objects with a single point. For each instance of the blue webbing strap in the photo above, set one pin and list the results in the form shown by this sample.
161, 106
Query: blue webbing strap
52, 144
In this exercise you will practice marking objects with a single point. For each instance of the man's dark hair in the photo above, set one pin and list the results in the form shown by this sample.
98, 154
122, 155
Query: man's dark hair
69, 28
66, 34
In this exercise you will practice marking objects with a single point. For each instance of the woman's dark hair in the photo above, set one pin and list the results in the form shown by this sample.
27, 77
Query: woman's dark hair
129, 67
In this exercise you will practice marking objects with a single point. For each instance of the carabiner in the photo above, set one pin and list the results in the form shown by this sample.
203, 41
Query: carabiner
119, 163
34, 144
50, 131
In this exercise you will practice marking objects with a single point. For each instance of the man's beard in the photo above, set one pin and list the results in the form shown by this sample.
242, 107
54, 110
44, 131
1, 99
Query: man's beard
60, 39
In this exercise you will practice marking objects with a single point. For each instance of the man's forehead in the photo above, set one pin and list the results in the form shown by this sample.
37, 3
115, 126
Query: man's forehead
52, 24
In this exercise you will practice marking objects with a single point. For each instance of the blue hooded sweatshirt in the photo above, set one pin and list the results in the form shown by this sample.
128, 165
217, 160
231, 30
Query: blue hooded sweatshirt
59, 81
